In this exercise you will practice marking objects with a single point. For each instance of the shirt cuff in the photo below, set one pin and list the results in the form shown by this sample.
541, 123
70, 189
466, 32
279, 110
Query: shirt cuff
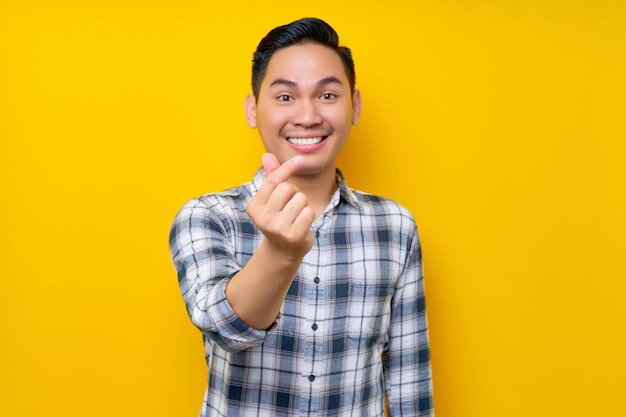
231, 330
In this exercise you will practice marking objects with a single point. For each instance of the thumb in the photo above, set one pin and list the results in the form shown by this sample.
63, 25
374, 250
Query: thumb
270, 162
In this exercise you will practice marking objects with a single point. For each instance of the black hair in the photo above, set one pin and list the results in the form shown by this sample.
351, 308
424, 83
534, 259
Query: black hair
307, 30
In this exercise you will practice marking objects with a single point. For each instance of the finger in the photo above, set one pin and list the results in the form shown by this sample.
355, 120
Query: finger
282, 194
295, 219
286, 170
304, 219
270, 163
279, 175
293, 207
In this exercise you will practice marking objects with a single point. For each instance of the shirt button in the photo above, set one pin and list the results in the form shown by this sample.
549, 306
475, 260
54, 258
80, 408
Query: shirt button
311, 378
314, 327
316, 280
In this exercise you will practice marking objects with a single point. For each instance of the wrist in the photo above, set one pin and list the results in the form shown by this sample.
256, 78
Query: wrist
282, 256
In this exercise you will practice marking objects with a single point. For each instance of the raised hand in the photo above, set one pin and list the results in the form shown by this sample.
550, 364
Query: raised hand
281, 211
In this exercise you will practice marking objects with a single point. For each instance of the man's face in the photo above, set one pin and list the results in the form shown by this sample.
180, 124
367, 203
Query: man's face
305, 107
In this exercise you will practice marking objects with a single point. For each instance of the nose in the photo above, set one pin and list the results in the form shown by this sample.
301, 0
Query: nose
307, 114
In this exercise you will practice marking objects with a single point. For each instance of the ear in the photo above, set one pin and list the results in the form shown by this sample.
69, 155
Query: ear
356, 106
249, 107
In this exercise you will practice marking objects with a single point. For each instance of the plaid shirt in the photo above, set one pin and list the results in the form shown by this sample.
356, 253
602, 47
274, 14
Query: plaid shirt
351, 330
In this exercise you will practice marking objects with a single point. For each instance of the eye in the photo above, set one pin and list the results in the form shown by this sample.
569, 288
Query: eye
284, 98
328, 96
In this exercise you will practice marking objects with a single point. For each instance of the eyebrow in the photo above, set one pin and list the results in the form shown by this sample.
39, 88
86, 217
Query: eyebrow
321, 83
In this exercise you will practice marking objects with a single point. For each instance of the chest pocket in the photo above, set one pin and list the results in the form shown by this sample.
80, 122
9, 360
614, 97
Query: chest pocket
368, 308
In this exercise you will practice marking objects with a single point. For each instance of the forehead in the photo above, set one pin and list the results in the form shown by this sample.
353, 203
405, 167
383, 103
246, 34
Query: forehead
304, 63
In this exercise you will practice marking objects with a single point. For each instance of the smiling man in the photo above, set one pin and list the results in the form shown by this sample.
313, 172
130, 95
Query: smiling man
309, 294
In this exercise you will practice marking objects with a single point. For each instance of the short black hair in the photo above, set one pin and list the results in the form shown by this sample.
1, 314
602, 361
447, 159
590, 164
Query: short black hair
307, 30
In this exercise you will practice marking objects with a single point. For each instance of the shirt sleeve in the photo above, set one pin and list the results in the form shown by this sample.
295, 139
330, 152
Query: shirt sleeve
205, 261
407, 360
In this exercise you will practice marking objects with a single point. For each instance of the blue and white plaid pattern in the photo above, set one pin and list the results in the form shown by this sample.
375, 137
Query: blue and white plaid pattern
352, 328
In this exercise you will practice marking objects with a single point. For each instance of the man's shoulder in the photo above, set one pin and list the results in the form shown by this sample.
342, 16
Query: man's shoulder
377, 204
375, 201
231, 198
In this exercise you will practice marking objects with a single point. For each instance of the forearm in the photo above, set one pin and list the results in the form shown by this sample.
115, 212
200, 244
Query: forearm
282, 214
256, 293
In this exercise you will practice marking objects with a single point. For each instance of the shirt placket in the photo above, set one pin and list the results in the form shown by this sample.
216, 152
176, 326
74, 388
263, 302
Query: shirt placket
314, 318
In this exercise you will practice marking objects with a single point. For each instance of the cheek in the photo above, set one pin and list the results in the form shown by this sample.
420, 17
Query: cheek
269, 121
341, 120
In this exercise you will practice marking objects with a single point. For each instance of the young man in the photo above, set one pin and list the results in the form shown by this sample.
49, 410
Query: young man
309, 294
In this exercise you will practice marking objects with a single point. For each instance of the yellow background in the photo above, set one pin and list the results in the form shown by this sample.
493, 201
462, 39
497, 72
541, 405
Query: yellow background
499, 124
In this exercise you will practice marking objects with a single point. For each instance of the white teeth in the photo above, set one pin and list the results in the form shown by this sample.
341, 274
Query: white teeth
304, 141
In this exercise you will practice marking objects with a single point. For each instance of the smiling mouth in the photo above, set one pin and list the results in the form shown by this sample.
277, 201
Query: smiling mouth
306, 141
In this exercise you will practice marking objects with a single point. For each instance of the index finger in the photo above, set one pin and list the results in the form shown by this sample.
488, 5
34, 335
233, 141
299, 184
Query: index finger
279, 175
